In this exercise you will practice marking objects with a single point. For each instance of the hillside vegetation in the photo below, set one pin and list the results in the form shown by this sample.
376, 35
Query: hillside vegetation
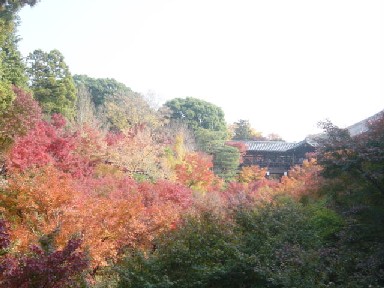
100, 189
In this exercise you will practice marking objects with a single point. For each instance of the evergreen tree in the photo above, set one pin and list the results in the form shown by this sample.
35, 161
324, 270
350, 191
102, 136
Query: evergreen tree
243, 131
197, 113
12, 69
12, 65
226, 161
52, 83
101, 89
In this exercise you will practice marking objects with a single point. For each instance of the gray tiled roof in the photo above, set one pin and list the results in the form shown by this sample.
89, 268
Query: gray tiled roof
278, 146
273, 146
362, 126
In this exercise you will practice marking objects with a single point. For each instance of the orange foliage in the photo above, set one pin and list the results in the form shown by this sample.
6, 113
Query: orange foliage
195, 172
109, 213
249, 194
251, 173
135, 151
302, 180
36, 203
119, 212
104, 220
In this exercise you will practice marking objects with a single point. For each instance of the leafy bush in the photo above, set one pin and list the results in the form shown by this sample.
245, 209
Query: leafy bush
272, 246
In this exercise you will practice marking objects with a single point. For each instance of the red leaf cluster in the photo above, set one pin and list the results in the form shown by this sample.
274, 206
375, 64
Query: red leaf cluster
21, 116
49, 143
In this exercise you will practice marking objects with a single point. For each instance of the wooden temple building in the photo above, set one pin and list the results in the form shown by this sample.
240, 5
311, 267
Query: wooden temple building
277, 156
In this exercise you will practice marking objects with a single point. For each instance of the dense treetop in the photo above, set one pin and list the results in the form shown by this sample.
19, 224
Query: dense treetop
51, 82
101, 89
197, 113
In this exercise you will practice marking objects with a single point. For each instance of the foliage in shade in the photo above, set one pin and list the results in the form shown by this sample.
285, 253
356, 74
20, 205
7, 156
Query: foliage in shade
274, 246
4, 235
353, 168
359, 157
42, 268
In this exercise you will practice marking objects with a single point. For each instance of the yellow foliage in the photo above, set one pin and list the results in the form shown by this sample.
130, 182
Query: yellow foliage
249, 174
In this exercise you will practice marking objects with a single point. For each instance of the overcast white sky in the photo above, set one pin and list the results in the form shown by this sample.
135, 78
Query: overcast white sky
283, 65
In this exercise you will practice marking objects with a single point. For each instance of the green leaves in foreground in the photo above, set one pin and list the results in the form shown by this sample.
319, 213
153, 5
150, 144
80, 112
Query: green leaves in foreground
274, 246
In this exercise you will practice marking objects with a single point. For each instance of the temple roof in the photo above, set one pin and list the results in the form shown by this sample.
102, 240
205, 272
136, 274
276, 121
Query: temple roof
362, 126
276, 146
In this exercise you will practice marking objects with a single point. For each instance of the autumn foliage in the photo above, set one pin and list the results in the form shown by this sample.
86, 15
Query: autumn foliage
195, 172
249, 174
17, 119
50, 143
301, 181
77, 199
43, 266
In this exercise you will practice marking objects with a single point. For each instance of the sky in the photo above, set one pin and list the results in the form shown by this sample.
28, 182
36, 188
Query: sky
282, 65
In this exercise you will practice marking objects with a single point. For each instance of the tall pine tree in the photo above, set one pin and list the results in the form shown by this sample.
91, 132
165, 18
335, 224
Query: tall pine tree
52, 83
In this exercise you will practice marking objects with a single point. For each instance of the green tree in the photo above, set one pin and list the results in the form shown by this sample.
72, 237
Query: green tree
127, 110
354, 169
242, 130
207, 122
6, 95
118, 107
8, 40
14, 5
12, 66
12, 69
8, 15
192, 256
208, 140
85, 108
360, 158
226, 161
52, 83
274, 246
197, 113
101, 89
